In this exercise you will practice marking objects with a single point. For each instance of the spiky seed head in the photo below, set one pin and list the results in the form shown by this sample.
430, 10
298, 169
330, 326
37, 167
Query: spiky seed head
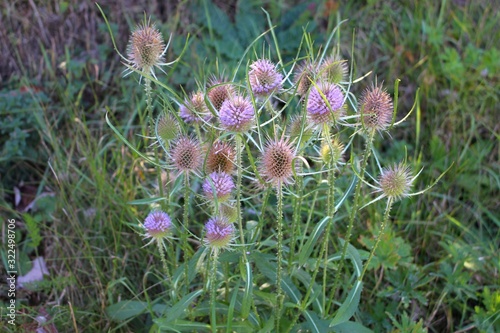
264, 78
332, 153
186, 154
194, 109
146, 48
237, 114
221, 157
333, 70
218, 185
229, 211
376, 108
219, 233
323, 109
167, 128
299, 128
157, 224
396, 181
304, 75
277, 162
219, 91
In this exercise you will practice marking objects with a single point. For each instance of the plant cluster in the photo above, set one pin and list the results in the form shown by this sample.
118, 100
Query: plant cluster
275, 162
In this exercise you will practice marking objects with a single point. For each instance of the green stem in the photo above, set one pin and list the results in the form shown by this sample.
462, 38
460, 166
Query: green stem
296, 220
279, 294
239, 177
163, 259
185, 233
352, 217
213, 290
383, 224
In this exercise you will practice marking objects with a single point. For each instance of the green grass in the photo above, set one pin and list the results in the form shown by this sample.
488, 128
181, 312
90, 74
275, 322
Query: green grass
437, 266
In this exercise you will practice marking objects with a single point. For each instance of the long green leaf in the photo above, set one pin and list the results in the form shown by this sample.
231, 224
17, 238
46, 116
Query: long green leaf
248, 292
178, 310
350, 305
316, 325
351, 327
125, 309
312, 240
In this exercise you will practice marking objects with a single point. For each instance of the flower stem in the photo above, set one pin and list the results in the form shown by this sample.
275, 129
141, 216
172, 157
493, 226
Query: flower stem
185, 233
163, 259
213, 290
279, 293
383, 224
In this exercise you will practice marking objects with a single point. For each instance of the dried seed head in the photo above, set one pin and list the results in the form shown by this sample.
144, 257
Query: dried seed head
376, 108
218, 185
146, 48
219, 91
219, 233
186, 154
264, 78
237, 114
333, 70
396, 181
157, 224
194, 109
221, 158
325, 102
277, 162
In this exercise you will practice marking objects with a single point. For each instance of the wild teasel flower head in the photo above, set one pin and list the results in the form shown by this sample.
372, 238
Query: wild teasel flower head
376, 109
158, 225
304, 76
167, 128
146, 48
325, 102
277, 162
237, 114
194, 109
333, 70
332, 152
219, 91
396, 181
186, 154
264, 78
218, 185
220, 158
220, 233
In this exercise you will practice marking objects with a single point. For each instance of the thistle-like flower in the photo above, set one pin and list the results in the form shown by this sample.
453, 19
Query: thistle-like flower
219, 234
277, 162
157, 225
237, 114
304, 76
325, 102
167, 128
333, 70
332, 152
218, 185
376, 109
194, 109
264, 78
218, 91
146, 49
221, 157
186, 154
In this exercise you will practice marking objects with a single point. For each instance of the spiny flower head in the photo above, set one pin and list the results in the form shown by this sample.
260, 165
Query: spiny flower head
304, 76
167, 128
396, 181
157, 224
186, 154
332, 152
221, 157
237, 114
218, 91
194, 109
325, 102
277, 162
264, 78
376, 108
219, 233
146, 48
219, 185
333, 70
